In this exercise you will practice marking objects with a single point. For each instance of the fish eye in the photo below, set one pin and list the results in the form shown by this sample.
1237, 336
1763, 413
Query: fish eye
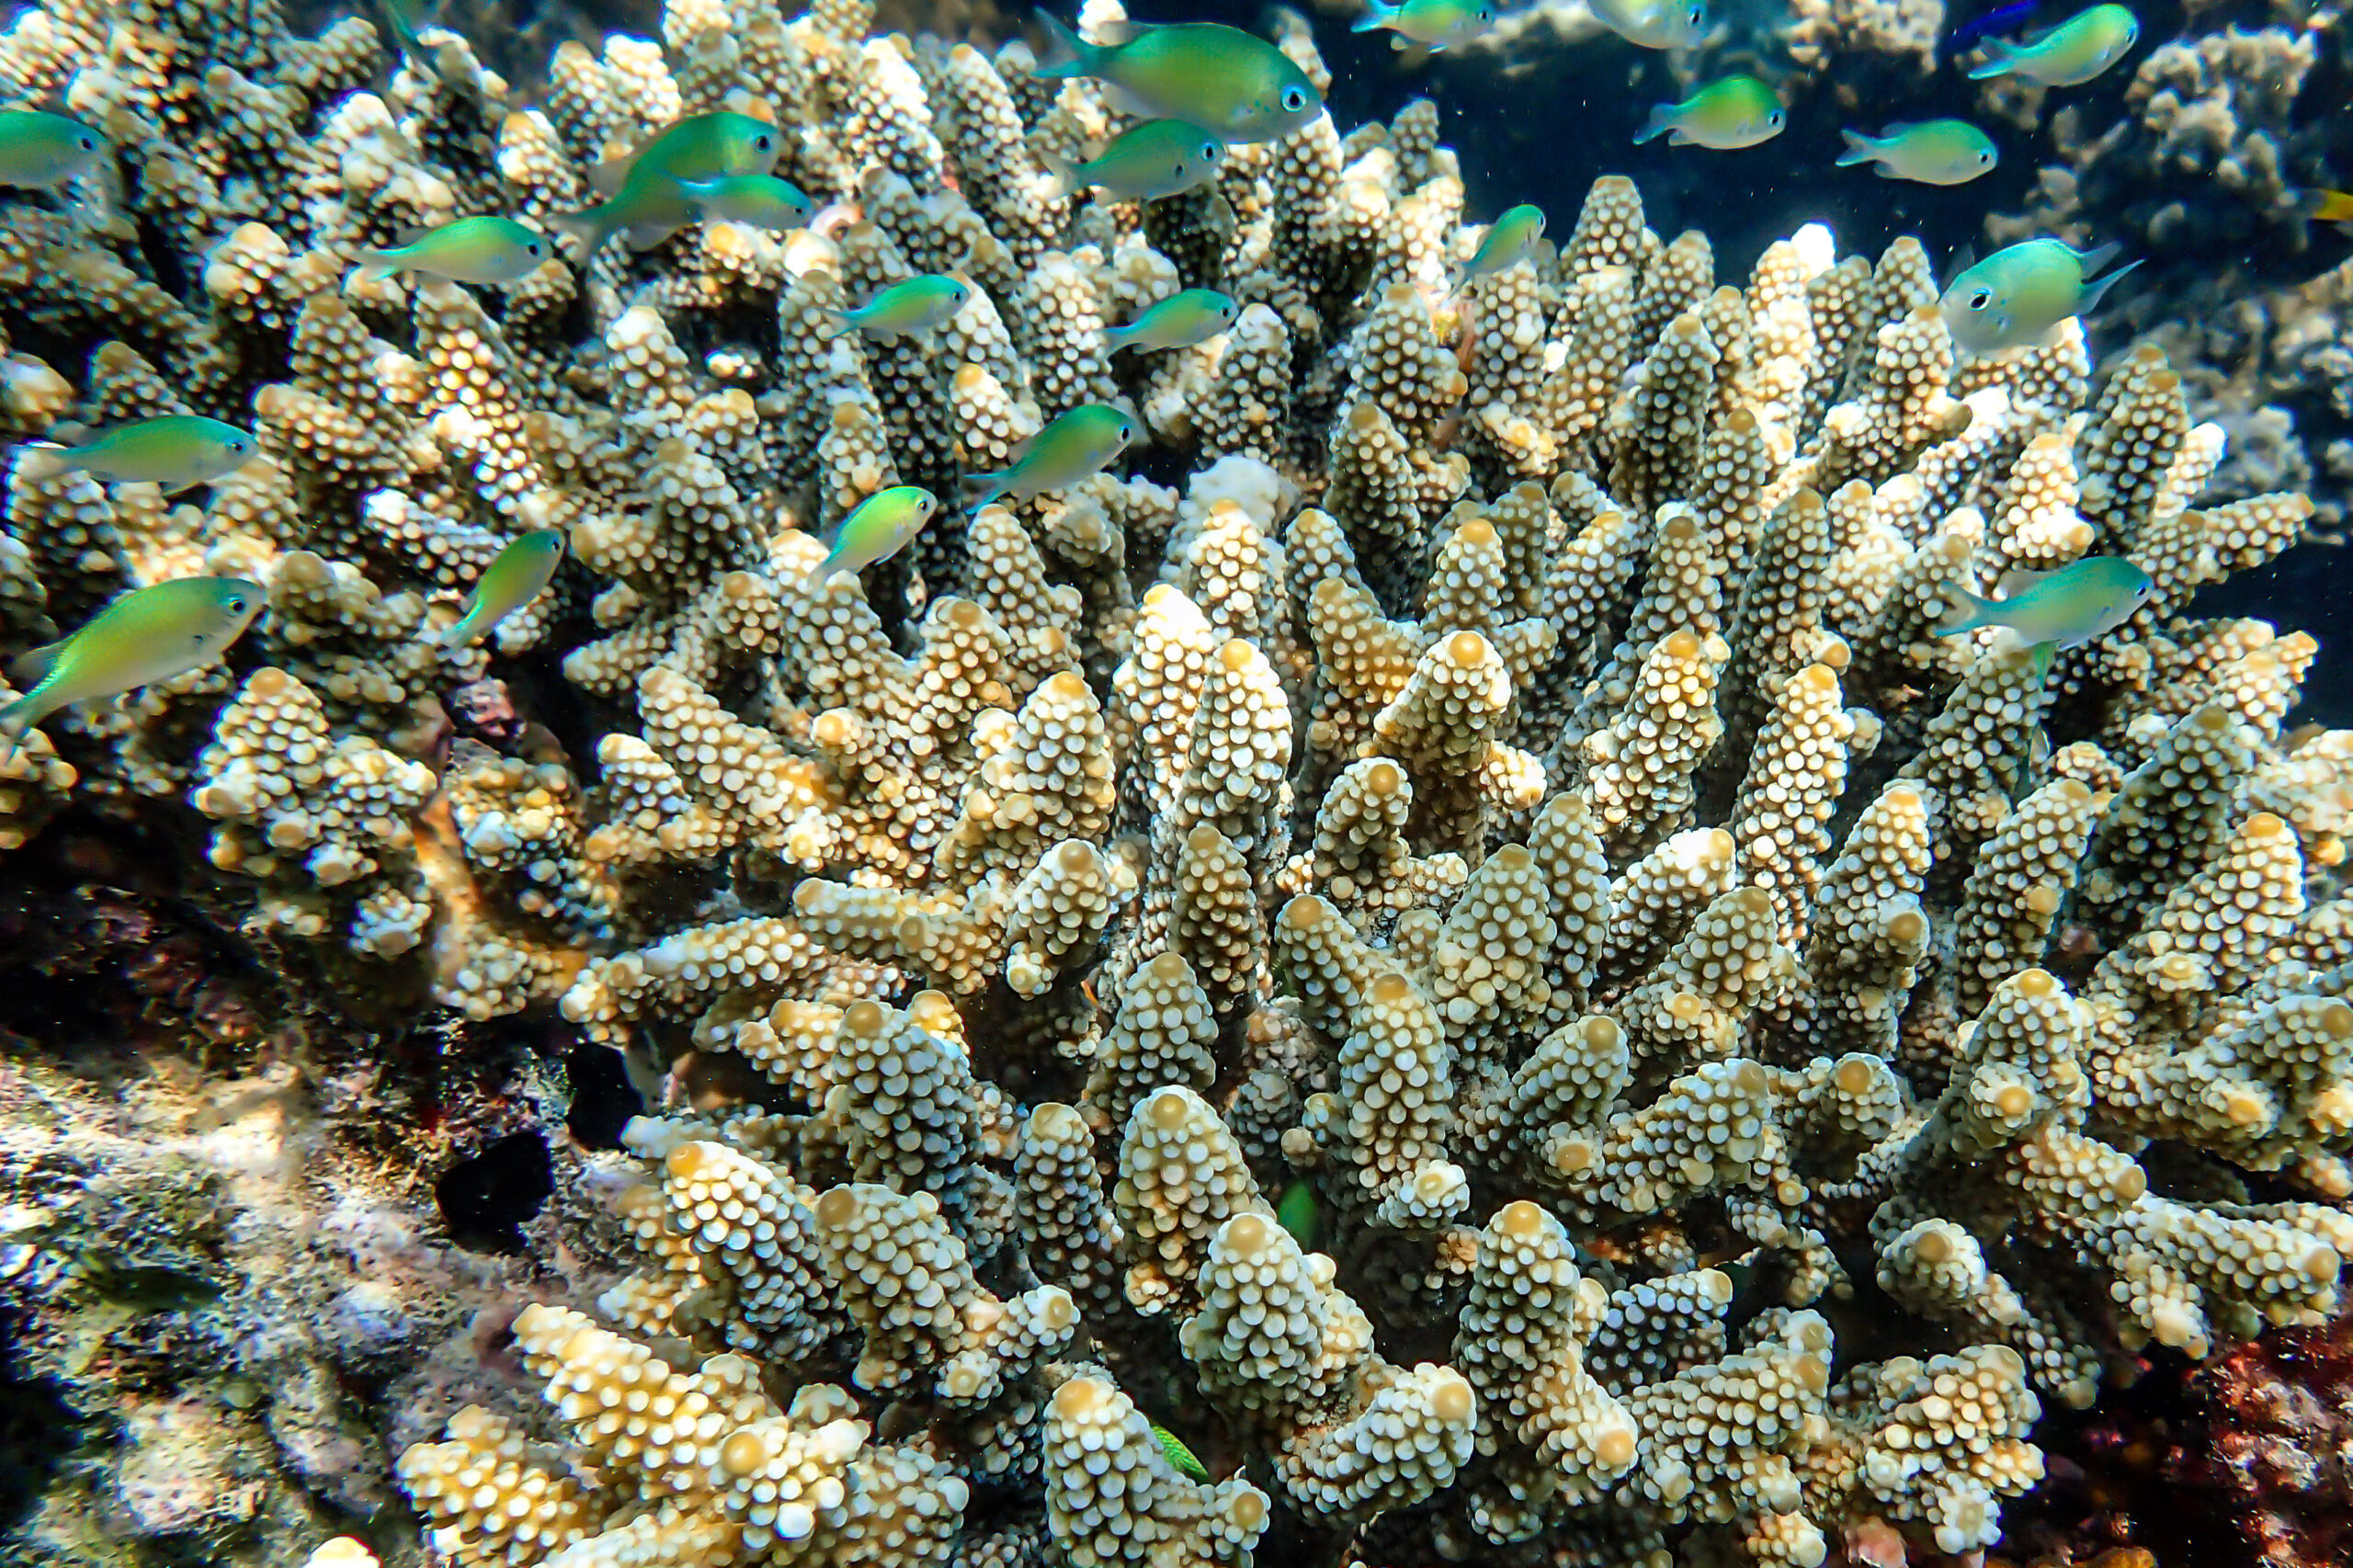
1125, 430
531, 248
1985, 157
763, 143
236, 604
1774, 119
1213, 151
87, 142
1293, 99
237, 447
1695, 14
1980, 300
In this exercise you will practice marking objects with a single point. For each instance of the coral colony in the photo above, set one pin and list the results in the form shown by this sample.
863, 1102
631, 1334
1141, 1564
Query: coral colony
1510, 760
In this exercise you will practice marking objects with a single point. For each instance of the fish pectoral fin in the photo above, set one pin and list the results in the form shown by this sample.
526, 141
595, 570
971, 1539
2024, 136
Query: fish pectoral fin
31, 668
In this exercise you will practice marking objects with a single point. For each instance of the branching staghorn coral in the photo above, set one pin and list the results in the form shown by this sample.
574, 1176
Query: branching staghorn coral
1506, 786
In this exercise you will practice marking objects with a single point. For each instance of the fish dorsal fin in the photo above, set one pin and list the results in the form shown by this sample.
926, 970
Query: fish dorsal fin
2015, 581
1959, 262
31, 668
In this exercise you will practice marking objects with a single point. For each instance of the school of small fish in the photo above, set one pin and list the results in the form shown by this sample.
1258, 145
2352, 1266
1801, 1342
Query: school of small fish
1198, 88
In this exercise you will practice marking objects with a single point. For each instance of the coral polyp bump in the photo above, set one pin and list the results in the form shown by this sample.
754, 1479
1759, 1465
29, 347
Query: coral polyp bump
1500, 769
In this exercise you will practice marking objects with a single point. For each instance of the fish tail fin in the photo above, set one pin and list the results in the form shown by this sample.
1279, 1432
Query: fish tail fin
42, 465
1661, 121
2092, 260
456, 635
2095, 290
585, 231
1860, 149
1117, 337
982, 489
2000, 59
1068, 54
2325, 206
375, 265
1376, 15
1064, 176
842, 326
14, 719
1971, 613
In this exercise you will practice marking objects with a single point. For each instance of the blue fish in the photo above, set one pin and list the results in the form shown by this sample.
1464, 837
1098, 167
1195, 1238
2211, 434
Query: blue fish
2000, 19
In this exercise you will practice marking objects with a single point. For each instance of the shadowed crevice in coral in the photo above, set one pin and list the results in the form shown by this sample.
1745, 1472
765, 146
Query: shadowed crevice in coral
38, 1433
602, 1096
484, 1200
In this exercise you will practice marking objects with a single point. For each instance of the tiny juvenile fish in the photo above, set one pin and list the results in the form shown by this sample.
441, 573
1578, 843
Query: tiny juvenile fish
1933, 152
2066, 609
2016, 296
1510, 240
919, 303
1298, 1214
470, 250
1219, 78
1439, 24
147, 635
40, 150
175, 450
1195, 315
1178, 1454
2068, 55
879, 528
1652, 24
1158, 158
519, 574
1080, 443
758, 201
1739, 111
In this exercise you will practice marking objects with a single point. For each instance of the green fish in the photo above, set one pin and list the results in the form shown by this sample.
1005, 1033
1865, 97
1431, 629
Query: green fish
644, 211
1510, 240
1652, 24
41, 150
1739, 111
2069, 54
647, 200
1933, 152
470, 250
876, 530
757, 201
1080, 443
917, 305
699, 147
1434, 23
2016, 297
1221, 78
175, 450
2066, 608
1178, 1454
1158, 158
519, 574
1298, 1214
147, 635
1195, 315
402, 24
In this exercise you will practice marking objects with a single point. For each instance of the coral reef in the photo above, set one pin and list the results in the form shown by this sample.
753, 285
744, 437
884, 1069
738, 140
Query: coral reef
1491, 767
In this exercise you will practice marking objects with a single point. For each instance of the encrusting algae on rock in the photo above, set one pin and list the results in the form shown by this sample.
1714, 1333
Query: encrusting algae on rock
1516, 789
